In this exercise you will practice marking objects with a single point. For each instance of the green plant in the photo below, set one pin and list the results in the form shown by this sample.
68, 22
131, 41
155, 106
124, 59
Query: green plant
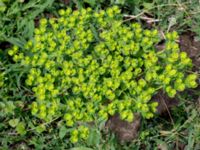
87, 65
179, 15
1, 79
17, 19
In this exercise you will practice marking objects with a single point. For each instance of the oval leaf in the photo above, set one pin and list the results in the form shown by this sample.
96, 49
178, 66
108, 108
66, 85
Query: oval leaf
13, 122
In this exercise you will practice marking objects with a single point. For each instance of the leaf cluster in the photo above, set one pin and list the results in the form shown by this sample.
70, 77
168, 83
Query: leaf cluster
88, 65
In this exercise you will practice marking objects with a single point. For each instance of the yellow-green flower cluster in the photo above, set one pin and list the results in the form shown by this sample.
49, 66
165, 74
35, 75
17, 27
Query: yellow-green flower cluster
87, 64
81, 133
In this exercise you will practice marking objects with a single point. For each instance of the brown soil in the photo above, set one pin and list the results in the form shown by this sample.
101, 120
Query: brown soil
191, 47
164, 103
66, 2
124, 130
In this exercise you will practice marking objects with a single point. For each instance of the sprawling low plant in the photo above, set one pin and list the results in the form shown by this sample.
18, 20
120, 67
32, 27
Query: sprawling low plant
87, 65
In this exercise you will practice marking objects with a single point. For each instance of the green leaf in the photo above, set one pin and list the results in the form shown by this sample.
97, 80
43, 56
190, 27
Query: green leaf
10, 107
30, 27
78, 3
172, 22
13, 122
91, 2
21, 128
62, 132
191, 140
81, 148
2, 7
94, 138
94, 31
148, 5
16, 41
40, 128
122, 2
41, 8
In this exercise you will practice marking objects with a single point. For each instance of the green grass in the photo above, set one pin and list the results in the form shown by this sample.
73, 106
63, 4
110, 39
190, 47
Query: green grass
181, 15
17, 25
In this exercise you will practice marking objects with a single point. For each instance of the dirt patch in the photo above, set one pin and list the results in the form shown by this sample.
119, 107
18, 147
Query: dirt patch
66, 2
188, 44
191, 47
4, 45
20, 145
164, 103
124, 130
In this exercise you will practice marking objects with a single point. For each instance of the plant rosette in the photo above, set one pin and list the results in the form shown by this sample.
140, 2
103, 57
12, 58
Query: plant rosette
91, 64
